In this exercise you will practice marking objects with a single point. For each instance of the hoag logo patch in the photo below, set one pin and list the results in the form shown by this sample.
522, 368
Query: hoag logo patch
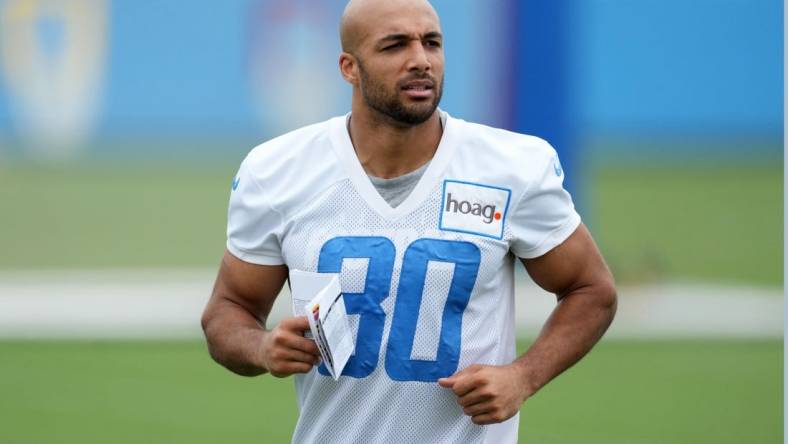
474, 208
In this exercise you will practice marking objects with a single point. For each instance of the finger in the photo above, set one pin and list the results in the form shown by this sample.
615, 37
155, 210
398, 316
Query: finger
301, 343
299, 356
465, 385
290, 368
300, 367
484, 419
298, 324
452, 380
474, 397
478, 409
446, 382
492, 417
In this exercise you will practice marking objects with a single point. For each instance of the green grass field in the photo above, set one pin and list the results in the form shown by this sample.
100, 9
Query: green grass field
171, 392
99, 217
694, 223
713, 223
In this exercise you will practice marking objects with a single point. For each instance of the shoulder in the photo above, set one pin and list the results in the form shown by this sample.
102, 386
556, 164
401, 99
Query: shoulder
280, 151
499, 156
289, 169
542, 214
488, 141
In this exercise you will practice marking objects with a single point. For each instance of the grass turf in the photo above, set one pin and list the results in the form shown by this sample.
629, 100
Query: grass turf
690, 222
718, 223
91, 217
170, 392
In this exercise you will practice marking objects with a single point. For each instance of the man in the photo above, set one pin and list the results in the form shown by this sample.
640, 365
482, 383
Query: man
422, 215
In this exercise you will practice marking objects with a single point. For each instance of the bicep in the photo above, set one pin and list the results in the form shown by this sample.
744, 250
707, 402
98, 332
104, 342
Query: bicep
251, 286
573, 264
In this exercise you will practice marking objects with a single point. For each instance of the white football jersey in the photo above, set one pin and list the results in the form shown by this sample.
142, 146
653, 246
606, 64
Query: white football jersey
428, 285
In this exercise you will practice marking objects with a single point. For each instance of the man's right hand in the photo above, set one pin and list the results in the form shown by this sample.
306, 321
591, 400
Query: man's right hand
285, 351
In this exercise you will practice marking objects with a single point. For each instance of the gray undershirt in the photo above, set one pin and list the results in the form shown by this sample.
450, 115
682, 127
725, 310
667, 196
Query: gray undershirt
396, 190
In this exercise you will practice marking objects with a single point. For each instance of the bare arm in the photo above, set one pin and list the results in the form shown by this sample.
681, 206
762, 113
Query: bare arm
577, 274
234, 322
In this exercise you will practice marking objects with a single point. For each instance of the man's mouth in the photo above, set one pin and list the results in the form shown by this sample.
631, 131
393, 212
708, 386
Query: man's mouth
418, 84
418, 89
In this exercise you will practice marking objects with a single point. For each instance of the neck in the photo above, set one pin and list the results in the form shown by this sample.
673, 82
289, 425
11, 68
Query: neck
387, 149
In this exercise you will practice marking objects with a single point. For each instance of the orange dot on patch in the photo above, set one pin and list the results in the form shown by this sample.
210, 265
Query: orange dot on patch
497, 216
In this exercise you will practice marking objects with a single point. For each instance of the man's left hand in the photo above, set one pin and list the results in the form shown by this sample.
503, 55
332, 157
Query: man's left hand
489, 394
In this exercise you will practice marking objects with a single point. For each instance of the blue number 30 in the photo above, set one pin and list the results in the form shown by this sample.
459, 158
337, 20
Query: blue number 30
381, 252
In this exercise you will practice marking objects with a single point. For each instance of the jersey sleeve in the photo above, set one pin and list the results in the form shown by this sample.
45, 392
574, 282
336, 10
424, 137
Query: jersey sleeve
253, 225
544, 216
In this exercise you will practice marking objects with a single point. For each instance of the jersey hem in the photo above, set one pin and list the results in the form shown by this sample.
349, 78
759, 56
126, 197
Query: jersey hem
554, 239
254, 258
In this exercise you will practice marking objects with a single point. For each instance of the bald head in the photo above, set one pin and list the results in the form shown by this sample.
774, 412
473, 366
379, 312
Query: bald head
362, 18
392, 54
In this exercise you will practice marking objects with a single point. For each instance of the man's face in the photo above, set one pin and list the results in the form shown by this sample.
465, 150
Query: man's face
400, 65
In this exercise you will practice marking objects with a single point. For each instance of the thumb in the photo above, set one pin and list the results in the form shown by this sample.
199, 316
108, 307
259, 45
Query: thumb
296, 324
447, 382
451, 380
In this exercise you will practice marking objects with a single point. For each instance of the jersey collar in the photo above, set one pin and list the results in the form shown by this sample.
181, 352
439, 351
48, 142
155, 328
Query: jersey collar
342, 145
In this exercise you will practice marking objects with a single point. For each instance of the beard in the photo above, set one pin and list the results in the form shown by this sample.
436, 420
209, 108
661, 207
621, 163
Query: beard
389, 103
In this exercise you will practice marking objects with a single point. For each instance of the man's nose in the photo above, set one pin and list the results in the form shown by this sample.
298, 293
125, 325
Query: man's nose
418, 58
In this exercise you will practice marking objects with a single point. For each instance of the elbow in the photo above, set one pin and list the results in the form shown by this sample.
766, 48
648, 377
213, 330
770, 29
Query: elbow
206, 322
607, 297
220, 348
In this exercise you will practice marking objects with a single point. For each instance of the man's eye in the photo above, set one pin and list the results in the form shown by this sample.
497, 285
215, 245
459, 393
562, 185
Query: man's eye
394, 46
434, 43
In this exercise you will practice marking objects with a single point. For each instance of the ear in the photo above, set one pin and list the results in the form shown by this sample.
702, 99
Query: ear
349, 68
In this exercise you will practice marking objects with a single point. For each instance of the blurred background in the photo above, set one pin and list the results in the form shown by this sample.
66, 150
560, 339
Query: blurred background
122, 124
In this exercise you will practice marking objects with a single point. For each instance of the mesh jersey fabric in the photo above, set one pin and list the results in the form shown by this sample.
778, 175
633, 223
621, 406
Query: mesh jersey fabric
425, 299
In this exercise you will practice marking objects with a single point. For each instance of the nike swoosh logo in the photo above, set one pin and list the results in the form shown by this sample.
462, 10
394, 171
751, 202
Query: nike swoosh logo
236, 181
